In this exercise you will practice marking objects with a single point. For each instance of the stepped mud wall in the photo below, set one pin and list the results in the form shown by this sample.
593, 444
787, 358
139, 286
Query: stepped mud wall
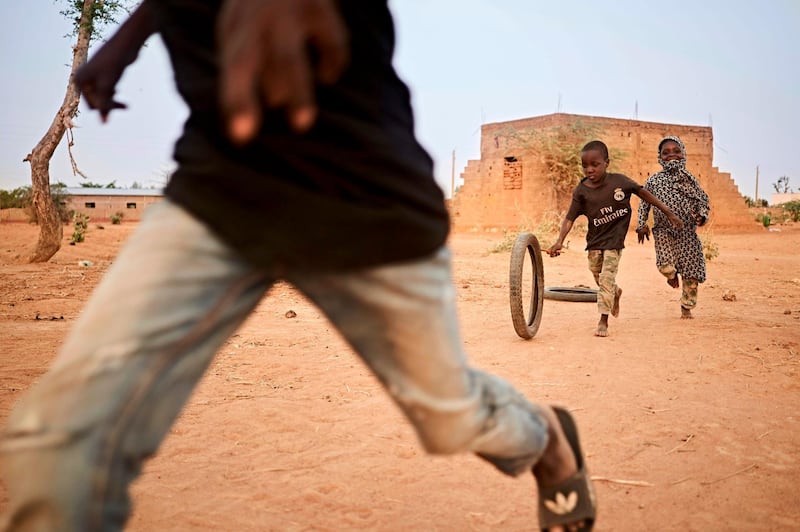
508, 187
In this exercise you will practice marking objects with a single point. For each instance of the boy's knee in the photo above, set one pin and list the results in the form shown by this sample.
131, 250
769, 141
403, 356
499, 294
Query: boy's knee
607, 278
444, 433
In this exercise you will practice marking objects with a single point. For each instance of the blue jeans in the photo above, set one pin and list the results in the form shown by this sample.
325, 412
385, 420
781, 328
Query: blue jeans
174, 294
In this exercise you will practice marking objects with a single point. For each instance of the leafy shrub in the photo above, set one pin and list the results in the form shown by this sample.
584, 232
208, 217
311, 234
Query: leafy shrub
22, 198
506, 243
545, 231
116, 218
764, 219
18, 198
710, 248
81, 225
558, 149
793, 207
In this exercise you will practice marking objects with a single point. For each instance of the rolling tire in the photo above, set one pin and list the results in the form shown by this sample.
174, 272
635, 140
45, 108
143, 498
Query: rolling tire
526, 245
571, 293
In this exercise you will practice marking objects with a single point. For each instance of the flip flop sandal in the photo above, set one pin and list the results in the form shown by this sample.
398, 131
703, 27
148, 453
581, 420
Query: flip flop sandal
572, 500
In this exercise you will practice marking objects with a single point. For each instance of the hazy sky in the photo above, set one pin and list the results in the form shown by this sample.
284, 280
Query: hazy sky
730, 64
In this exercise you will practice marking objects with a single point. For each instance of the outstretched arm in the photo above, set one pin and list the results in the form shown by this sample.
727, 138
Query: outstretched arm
98, 78
555, 249
652, 200
272, 52
642, 231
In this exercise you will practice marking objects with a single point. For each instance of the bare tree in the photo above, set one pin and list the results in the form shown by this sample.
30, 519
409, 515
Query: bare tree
89, 17
782, 185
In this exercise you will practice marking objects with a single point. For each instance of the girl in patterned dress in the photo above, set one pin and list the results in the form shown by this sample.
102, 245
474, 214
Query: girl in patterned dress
678, 251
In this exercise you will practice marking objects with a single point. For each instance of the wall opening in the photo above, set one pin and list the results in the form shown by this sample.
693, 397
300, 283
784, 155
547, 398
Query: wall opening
512, 173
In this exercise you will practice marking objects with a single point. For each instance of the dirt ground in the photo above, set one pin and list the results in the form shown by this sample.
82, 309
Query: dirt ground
687, 424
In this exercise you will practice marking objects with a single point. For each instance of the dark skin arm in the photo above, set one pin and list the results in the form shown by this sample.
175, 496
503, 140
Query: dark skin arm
98, 77
644, 232
555, 249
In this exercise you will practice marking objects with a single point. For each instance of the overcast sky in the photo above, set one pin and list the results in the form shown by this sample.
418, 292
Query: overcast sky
729, 64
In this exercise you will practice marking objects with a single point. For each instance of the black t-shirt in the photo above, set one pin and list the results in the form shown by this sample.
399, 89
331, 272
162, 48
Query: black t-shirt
608, 209
357, 190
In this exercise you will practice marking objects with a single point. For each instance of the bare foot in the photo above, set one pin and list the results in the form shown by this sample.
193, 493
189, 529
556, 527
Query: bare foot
686, 314
602, 326
673, 281
617, 295
557, 464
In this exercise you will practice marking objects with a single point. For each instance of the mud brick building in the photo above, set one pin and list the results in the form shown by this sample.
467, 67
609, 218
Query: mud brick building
508, 186
101, 203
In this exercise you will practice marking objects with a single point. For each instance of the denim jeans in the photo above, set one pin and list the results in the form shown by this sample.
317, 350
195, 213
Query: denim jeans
174, 294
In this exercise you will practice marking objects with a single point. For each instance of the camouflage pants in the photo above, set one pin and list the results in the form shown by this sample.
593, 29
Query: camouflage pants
604, 264
688, 286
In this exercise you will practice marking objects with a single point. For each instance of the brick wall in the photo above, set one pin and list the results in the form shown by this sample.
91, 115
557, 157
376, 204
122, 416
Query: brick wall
487, 201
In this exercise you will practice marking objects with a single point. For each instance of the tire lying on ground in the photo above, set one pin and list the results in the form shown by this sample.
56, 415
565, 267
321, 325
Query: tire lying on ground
571, 293
526, 246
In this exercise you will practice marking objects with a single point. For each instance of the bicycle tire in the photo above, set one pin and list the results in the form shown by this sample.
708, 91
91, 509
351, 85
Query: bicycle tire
526, 325
571, 293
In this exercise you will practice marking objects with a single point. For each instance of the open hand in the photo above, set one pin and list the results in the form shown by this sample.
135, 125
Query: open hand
676, 222
97, 80
700, 220
266, 50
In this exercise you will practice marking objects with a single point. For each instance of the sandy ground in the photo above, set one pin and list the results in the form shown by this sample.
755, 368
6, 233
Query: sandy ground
688, 425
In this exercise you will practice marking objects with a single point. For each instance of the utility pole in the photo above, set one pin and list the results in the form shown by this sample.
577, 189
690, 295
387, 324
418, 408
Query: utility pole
756, 200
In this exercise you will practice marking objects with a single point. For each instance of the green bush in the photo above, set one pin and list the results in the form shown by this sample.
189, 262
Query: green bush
793, 207
710, 248
505, 244
545, 231
22, 198
81, 226
18, 198
117, 217
558, 149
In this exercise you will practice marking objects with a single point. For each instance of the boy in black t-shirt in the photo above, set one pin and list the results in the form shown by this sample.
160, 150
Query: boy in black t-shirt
296, 112
605, 199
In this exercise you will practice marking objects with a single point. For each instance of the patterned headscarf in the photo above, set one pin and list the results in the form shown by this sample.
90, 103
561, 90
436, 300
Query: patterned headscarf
676, 166
677, 170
